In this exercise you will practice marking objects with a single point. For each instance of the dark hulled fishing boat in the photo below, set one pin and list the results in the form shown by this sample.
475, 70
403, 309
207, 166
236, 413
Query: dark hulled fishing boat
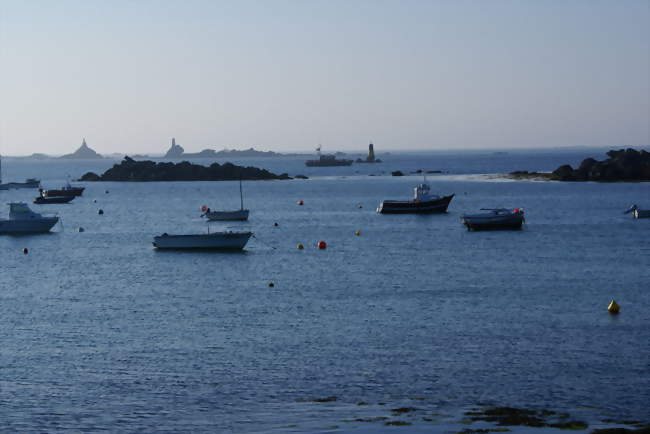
66, 190
423, 203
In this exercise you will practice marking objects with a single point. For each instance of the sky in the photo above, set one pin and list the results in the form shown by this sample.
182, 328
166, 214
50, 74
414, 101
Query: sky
287, 75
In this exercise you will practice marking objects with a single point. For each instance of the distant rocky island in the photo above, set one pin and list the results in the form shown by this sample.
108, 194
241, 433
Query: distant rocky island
150, 171
624, 165
83, 153
176, 152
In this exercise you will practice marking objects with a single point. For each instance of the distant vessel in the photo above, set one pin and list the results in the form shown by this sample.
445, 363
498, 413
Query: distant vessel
371, 156
29, 182
213, 241
423, 202
237, 215
66, 190
23, 220
638, 213
325, 160
499, 218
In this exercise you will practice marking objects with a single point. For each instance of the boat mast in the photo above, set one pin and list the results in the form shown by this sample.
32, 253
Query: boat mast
241, 196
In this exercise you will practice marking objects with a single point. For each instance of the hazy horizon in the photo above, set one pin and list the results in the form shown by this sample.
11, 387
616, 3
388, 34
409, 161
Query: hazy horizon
288, 75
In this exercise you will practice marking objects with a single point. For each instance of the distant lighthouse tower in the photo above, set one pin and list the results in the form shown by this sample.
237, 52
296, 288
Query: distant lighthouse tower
371, 153
173, 141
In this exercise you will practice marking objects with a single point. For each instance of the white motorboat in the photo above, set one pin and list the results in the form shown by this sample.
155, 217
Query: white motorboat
236, 215
499, 218
638, 213
213, 241
23, 220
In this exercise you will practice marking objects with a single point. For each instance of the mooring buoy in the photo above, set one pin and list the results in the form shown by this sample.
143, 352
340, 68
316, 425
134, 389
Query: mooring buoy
271, 284
613, 307
300, 247
25, 250
357, 232
100, 212
322, 245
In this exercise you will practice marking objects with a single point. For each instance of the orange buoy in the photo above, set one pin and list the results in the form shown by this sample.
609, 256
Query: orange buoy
322, 245
301, 202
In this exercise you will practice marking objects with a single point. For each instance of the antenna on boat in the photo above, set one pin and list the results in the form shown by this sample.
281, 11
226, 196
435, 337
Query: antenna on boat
241, 195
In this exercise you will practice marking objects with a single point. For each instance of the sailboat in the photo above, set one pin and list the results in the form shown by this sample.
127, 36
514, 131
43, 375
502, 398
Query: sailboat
29, 182
220, 216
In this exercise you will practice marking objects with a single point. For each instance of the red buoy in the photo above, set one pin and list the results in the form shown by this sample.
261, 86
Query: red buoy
300, 202
204, 208
322, 245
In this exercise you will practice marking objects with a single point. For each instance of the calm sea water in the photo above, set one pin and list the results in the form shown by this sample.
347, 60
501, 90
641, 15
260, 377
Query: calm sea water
100, 331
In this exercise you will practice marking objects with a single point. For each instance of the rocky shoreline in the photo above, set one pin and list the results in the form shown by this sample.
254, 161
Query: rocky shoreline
150, 171
624, 165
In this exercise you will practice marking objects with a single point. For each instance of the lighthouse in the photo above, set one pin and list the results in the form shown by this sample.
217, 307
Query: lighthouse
371, 153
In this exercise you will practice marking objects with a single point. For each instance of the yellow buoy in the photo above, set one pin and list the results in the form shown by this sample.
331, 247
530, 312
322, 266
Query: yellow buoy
300, 247
613, 307
357, 233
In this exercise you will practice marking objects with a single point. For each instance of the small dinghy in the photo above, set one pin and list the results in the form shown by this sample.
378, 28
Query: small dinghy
222, 216
423, 202
638, 213
498, 218
210, 241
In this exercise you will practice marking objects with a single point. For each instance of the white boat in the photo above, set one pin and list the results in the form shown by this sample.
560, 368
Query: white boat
29, 182
214, 241
236, 215
499, 218
23, 220
638, 213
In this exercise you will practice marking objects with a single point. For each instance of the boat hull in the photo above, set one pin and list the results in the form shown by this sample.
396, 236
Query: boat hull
318, 163
641, 214
412, 207
65, 192
27, 226
477, 222
213, 241
56, 199
222, 216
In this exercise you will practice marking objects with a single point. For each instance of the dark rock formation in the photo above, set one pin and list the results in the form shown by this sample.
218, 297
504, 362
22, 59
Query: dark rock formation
397, 173
84, 152
144, 171
622, 165
301, 177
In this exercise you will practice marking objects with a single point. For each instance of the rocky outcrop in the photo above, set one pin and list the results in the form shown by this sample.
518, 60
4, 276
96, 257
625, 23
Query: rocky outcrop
147, 171
622, 165
83, 153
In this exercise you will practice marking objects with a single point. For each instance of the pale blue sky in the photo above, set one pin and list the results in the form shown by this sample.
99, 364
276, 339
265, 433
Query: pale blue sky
286, 75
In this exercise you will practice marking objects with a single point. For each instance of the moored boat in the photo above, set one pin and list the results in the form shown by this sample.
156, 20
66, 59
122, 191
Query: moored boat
29, 182
66, 190
638, 213
210, 241
236, 215
498, 218
423, 202
327, 160
23, 220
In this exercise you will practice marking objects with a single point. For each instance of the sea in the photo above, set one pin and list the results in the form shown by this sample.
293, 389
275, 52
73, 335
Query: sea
99, 331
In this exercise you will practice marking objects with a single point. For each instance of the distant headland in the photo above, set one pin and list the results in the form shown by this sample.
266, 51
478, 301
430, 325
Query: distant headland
150, 171
83, 153
176, 152
624, 165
